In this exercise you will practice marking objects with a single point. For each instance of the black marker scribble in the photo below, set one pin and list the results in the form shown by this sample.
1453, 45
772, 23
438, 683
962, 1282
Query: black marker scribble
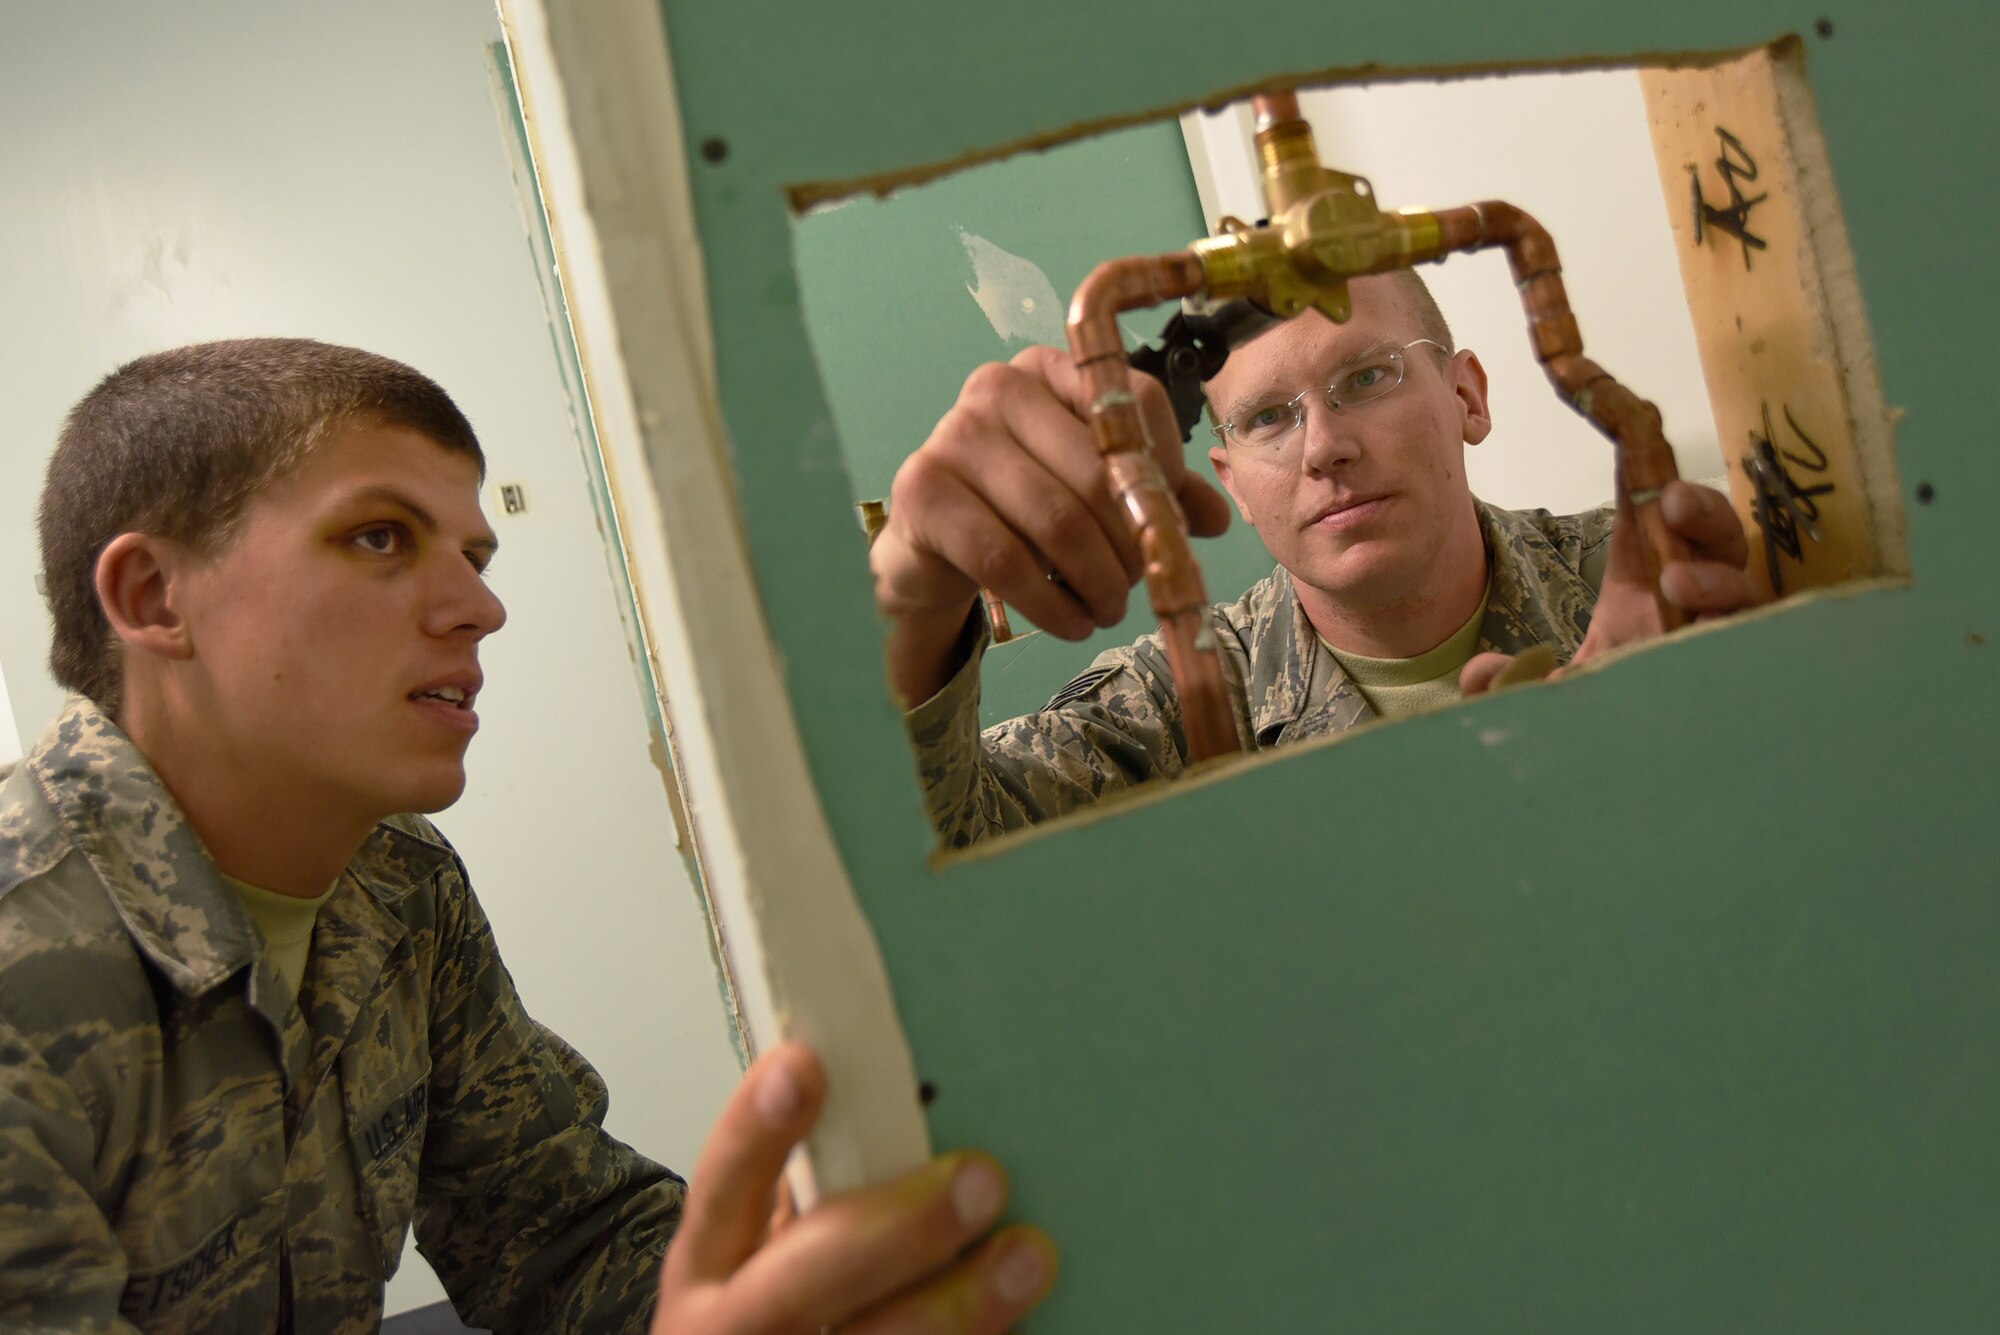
1818, 463
1785, 509
1736, 166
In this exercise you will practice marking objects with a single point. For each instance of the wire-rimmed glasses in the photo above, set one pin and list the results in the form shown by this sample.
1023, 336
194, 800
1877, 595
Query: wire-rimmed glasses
1265, 426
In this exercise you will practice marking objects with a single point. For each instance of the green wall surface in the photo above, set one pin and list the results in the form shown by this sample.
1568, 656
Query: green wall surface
895, 330
1660, 999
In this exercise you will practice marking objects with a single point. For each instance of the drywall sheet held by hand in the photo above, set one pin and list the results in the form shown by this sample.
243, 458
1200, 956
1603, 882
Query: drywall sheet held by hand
801, 957
1656, 999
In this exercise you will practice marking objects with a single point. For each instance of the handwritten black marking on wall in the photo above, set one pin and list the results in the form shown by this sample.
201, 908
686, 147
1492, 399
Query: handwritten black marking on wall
1785, 510
1736, 166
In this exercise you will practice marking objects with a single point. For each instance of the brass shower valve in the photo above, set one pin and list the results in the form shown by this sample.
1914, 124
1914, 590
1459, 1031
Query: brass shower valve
1306, 253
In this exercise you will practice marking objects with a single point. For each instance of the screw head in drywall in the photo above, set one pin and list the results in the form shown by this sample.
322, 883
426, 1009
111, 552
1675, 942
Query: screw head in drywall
1824, 27
1924, 493
714, 149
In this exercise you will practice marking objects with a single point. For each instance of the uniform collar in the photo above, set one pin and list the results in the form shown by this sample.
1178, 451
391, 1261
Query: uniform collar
1532, 583
1282, 647
166, 889
1292, 674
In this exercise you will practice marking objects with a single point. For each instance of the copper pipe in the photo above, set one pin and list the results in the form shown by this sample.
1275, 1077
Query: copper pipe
1287, 156
1328, 236
996, 616
1644, 459
1173, 579
1275, 108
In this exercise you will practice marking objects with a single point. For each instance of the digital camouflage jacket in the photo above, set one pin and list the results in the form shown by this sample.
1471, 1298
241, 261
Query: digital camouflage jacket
1119, 723
183, 1148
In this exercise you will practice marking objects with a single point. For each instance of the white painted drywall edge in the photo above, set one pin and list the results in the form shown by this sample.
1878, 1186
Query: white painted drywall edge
604, 123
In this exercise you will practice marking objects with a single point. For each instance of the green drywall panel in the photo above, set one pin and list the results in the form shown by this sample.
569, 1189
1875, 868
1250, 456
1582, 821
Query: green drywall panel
1660, 999
895, 329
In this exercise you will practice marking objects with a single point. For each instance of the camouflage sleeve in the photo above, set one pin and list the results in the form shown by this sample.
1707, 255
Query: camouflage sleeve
1116, 725
1594, 528
61, 1268
534, 1218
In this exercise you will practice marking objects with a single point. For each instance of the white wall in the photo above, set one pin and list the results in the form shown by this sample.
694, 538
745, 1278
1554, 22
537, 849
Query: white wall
175, 173
1574, 150
10, 741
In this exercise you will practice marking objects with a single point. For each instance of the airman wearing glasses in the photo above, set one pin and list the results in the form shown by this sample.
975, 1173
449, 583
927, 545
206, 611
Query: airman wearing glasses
1396, 590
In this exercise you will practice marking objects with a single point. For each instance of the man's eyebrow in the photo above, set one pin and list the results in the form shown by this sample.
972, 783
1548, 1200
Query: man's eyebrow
1375, 347
401, 500
1242, 402
486, 542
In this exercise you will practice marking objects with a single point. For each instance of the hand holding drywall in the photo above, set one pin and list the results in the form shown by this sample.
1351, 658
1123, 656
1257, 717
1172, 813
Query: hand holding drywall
884, 1259
1714, 582
1009, 494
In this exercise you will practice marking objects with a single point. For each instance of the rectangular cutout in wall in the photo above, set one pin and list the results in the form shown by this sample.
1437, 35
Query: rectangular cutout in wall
1704, 259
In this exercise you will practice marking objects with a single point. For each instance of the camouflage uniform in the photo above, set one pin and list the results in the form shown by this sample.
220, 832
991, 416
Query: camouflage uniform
1119, 723
183, 1148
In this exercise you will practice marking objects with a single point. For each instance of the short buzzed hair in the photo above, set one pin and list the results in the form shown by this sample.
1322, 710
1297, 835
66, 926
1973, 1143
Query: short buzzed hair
1429, 318
178, 443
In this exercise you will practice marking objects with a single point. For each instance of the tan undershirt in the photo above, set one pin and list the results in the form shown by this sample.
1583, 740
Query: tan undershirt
287, 924
1402, 687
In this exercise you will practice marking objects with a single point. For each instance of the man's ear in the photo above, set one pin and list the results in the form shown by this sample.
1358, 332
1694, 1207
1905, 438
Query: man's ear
1219, 456
136, 586
1468, 382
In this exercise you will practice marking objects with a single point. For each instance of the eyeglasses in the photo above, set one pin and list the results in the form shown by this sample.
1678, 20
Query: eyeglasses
1264, 427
